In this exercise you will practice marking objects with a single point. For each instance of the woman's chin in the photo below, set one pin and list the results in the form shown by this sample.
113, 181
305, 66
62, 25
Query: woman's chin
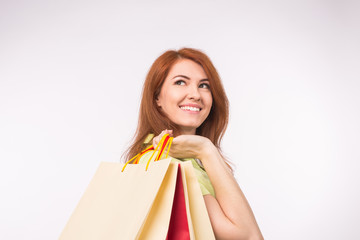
188, 130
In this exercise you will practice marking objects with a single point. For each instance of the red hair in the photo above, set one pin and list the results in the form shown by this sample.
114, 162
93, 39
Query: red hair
152, 120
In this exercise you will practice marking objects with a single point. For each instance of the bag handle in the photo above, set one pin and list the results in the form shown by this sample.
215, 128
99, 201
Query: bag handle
165, 141
137, 157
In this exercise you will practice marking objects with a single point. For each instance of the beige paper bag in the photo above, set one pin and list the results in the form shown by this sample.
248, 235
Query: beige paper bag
116, 204
157, 221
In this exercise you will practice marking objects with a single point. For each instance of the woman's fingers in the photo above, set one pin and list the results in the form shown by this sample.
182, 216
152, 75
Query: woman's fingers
157, 139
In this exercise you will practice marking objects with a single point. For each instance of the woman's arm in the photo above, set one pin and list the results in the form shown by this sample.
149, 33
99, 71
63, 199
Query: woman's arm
230, 214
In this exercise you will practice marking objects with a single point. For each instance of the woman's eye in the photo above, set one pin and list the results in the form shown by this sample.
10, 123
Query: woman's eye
204, 85
180, 82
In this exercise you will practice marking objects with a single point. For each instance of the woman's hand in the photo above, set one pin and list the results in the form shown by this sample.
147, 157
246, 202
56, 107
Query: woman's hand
157, 139
186, 146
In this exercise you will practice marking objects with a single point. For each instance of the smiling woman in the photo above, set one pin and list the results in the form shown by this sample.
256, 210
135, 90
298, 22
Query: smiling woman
152, 119
183, 92
185, 97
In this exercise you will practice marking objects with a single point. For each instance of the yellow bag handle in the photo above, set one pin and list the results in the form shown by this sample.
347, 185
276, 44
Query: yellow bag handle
160, 144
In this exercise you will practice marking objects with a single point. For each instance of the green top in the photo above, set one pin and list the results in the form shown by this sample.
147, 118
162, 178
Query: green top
202, 177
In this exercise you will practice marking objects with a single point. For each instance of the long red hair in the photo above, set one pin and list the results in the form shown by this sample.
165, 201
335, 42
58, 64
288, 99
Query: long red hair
152, 120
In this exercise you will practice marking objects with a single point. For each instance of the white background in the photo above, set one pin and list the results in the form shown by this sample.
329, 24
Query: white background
71, 75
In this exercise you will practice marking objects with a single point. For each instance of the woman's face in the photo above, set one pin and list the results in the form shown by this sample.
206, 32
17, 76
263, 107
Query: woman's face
185, 96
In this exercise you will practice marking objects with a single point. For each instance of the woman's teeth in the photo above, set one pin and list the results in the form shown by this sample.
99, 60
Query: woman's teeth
194, 109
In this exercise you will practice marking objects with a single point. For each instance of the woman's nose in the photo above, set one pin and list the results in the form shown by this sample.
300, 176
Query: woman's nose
194, 93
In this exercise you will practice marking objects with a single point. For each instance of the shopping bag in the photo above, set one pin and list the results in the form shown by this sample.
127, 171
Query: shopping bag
140, 203
158, 219
179, 226
116, 204
198, 215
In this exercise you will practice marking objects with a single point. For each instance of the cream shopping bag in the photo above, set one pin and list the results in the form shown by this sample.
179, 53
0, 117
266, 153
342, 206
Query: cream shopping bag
116, 204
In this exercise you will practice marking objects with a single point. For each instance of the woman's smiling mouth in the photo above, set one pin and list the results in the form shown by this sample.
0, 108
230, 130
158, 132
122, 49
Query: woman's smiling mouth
190, 108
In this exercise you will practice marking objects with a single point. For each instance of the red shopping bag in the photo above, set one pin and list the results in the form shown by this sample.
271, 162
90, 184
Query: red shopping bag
178, 227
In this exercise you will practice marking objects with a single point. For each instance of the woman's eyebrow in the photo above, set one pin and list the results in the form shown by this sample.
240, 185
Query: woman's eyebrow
186, 77
183, 76
204, 80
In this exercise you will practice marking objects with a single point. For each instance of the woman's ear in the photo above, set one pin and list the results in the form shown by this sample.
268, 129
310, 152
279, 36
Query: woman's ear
158, 101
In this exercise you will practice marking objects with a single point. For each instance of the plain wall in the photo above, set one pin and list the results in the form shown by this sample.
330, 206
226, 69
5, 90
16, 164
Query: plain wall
71, 75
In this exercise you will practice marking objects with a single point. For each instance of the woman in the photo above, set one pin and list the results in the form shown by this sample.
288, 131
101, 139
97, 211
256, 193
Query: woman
183, 93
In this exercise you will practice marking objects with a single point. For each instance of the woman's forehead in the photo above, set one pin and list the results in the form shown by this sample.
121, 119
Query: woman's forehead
187, 68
